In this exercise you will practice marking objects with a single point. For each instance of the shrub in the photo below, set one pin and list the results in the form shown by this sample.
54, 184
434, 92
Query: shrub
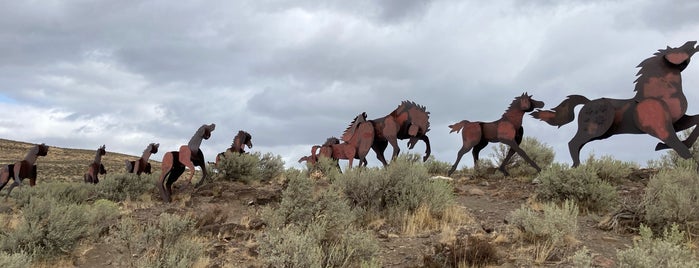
271, 166
309, 230
436, 167
672, 196
121, 186
250, 167
580, 184
672, 160
667, 251
610, 169
553, 225
540, 153
61, 192
15, 260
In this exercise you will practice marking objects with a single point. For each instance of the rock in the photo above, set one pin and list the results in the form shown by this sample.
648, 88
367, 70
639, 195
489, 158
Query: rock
441, 178
536, 181
476, 191
601, 261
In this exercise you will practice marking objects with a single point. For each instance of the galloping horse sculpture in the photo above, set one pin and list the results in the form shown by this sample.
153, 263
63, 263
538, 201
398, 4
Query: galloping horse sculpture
189, 155
658, 108
141, 165
22, 169
408, 121
240, 140
507, 130
96, 167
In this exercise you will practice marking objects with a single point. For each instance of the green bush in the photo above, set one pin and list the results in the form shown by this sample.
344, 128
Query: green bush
314, 230
121, 186
671, 160
328, 167
610, 169
398, 189
540, 153
580, 184
672, 196
15, 260
553, 225
271, 166
249, 167
667, 251
61, 192
436, 167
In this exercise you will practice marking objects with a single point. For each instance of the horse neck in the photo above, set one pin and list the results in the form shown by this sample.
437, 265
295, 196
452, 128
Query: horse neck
514, 116
195, 142
146, 153
98, 157
32, 155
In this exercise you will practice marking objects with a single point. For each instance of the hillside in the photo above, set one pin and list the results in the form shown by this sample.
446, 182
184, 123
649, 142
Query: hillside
65, 164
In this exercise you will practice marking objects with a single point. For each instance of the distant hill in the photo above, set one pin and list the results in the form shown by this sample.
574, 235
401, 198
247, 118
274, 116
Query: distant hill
66, 164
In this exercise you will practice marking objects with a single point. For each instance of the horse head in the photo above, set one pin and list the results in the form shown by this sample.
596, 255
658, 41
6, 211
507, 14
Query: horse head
679, 56
527, 103
153, 148
246, 138
102, 150
207, 130
42, 149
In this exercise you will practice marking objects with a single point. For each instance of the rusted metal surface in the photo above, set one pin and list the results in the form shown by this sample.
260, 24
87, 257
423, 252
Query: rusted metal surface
358, 138
658, 108
141, 165
240, 140
23, 169
408, 121
189, 156
508, 130
95, 168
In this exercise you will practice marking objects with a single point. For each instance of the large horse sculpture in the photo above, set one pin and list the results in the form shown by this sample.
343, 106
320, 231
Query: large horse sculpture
96, 167
141, 165
408, 121
658, 108
240, 140
174, 162
508, 130
23, 169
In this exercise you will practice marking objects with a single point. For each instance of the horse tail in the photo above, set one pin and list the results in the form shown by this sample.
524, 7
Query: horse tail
129, 166
458, 126
562, 114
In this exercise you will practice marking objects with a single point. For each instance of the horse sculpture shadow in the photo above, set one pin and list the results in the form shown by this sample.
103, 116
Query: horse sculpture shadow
658, 109
408, 121
22, 169
174, 162
141, 165
240, 140
95, 167
508, 130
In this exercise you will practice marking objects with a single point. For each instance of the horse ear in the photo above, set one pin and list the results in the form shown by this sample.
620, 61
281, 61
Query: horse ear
676, 57
212, 127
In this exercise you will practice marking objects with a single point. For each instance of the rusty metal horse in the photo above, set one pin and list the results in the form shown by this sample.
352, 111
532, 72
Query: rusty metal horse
95, 167
174, 162
23, 169
658, 108
408, 121
508, 130
358, 138
240, 140
141, 165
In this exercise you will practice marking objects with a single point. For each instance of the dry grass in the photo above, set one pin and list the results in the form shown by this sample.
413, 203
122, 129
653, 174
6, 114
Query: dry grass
424, 220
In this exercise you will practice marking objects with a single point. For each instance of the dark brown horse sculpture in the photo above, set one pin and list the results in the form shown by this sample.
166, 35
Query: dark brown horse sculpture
174, 162
141, 165
22, 169
658, 108
96, 167
408, 121
313, 157
240, 140
507, 130
358, 138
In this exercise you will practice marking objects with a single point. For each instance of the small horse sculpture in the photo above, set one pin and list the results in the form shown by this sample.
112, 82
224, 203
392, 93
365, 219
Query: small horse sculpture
658, 108
313, 157
141, 165
22, 169
358, 139
174, 162
96, 167
240, 140
508, 130
408, 121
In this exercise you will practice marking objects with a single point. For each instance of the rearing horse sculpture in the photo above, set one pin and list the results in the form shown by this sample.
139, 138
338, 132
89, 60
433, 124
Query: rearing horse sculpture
240, 140
408, 121
658, 108
96, 167
23, 169
174, 162
141, 165
508, 130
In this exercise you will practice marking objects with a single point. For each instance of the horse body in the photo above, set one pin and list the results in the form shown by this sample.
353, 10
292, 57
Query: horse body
658, 108
22, 169
96, 167
508, 130
189, 156
408, 121
141, 165
240, 140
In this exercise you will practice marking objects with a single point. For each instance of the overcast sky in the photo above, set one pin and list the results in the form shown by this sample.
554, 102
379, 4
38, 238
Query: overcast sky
80, 74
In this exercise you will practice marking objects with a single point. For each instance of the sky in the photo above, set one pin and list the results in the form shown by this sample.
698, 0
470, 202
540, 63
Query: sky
79, 74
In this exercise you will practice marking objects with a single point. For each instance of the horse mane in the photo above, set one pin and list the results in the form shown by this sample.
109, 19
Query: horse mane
515, 103
406, 105
331, 141
349, 132
655, 66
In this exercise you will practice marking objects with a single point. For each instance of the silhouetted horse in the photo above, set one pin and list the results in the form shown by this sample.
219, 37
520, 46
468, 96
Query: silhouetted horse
190, 155
658, 108
22, 169
408, 121
508, 130
96, 167
141, 165
240, 140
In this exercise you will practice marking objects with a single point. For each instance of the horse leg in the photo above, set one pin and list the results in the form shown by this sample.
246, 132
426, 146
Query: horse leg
185, 158
202, 164
428, 150
174, 175
514, 146
646, 118
685, 122
595, 119
510, 152
394, 143
379, 147
166, 165
476, 150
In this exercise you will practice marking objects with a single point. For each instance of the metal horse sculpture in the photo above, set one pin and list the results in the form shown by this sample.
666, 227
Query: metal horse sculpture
507, 130
22, 169
408, 121
96, 167
658, 108
240, 140
141, 165
174, 162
